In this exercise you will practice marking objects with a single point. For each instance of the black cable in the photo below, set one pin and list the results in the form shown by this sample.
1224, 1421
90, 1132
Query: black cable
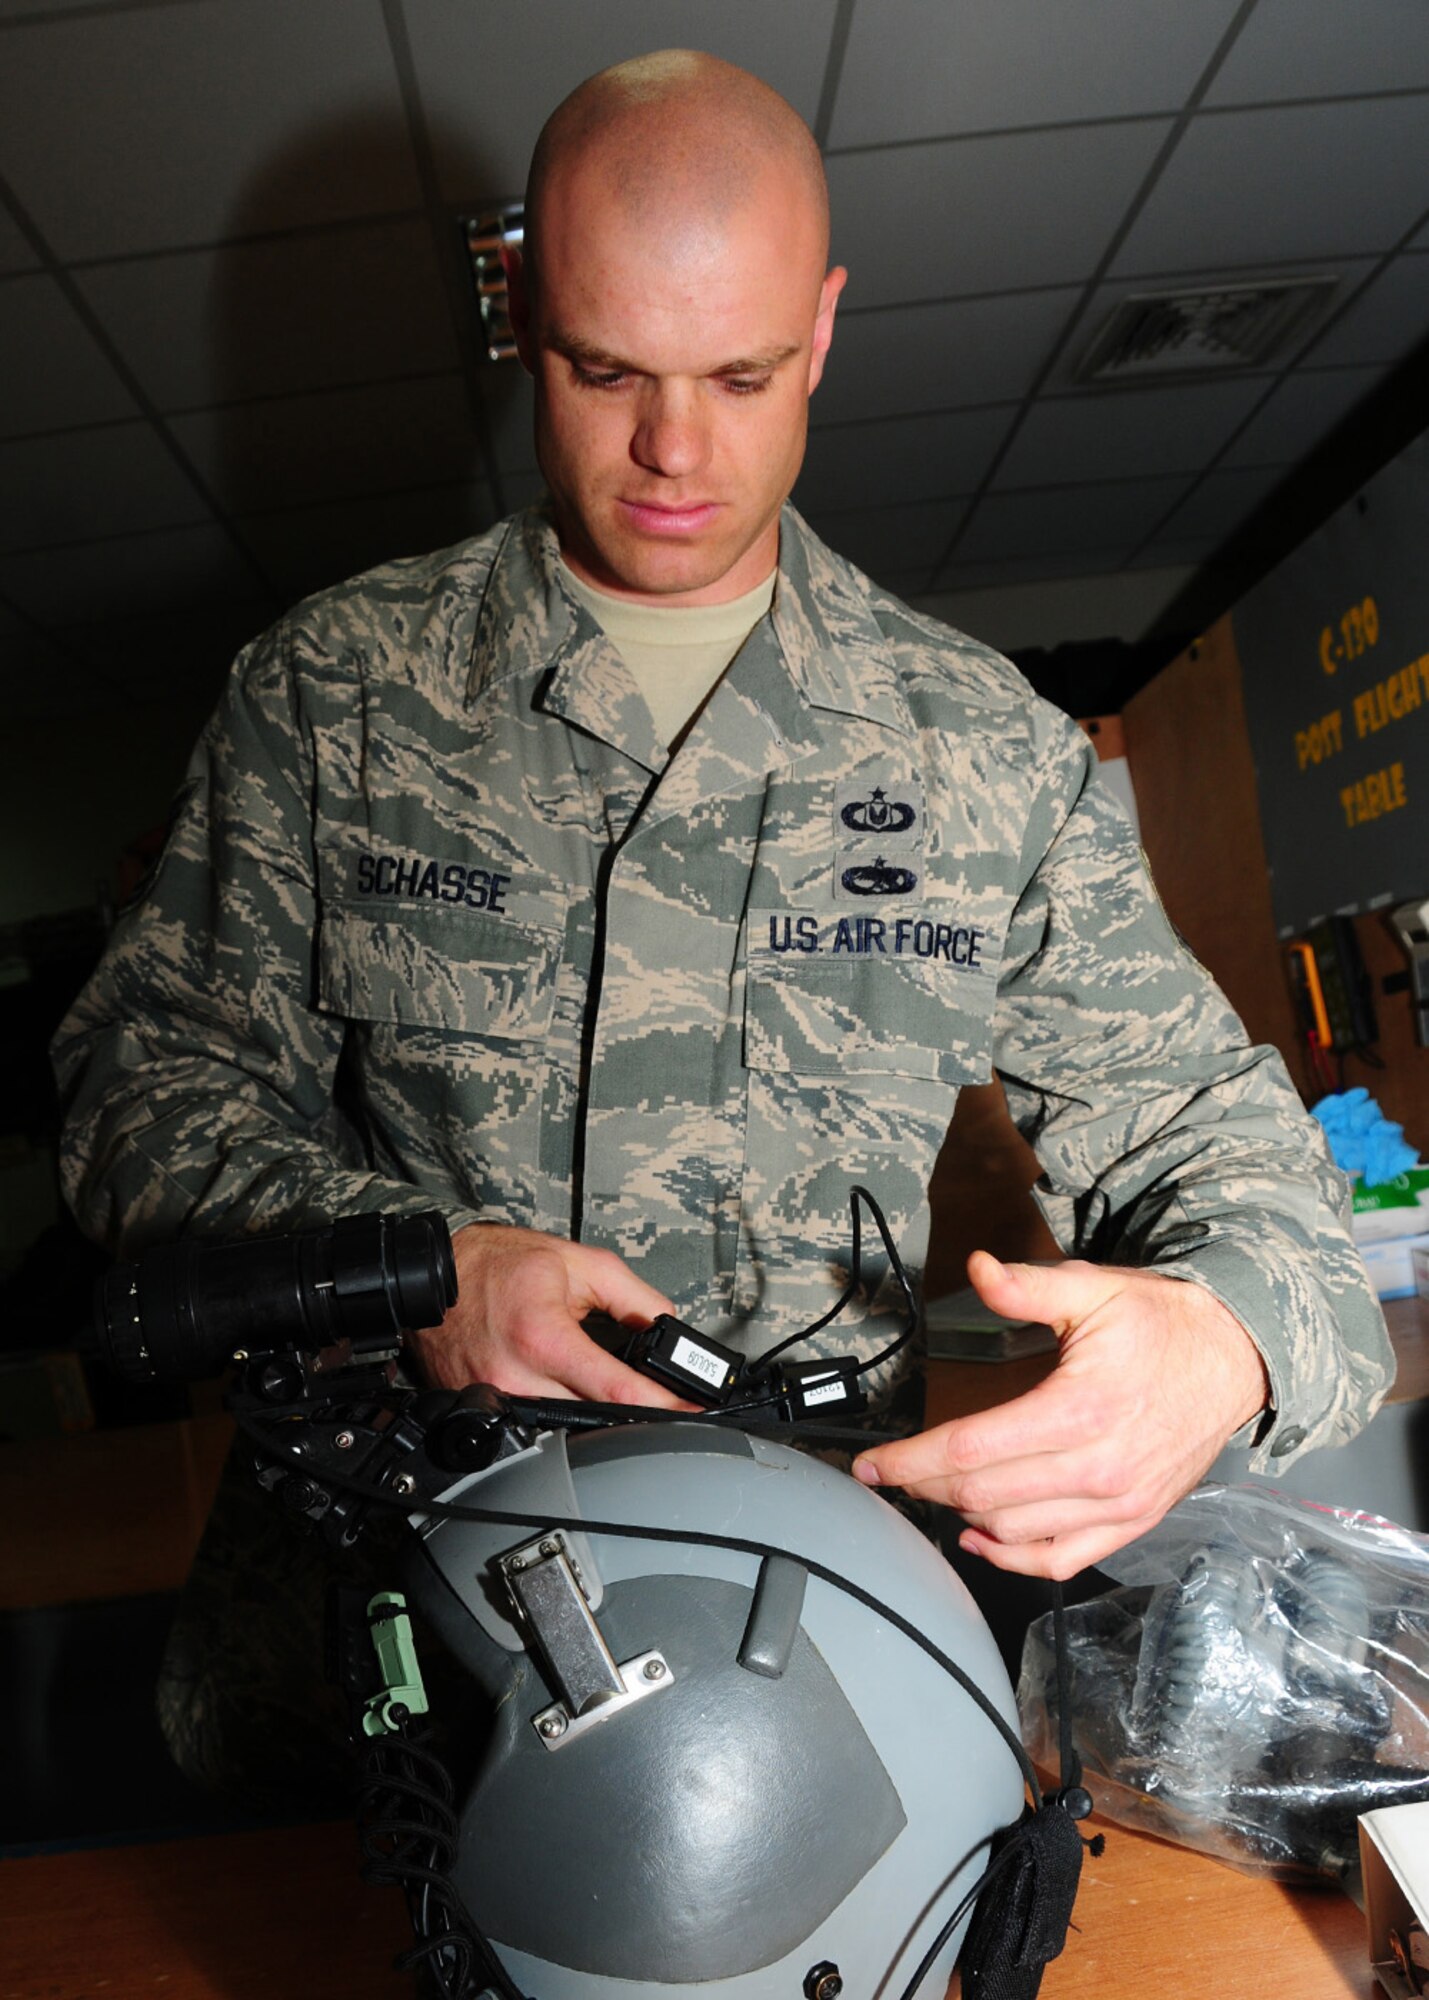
1070, 1762
895, 1263
556, 1414
408, 1831
994, 1868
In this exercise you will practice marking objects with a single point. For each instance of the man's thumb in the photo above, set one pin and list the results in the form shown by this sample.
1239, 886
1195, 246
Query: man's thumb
1048, 1294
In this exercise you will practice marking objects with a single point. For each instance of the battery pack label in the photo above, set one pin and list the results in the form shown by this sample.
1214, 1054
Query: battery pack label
709, 1367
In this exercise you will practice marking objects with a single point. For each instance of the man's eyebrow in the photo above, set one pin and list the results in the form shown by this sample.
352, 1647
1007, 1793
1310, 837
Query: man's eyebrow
590, 356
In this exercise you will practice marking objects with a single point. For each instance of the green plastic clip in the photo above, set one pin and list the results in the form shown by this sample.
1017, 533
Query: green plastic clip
402, 1693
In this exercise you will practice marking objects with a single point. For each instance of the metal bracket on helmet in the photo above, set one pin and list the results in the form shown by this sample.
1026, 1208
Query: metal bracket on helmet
546, 1591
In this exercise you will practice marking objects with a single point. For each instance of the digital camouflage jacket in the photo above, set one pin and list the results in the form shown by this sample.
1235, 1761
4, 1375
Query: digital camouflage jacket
439, 922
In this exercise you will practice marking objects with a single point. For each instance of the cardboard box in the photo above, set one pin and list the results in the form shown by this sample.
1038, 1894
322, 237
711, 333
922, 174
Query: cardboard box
1419, 1258
1391, 1265
1394, 1862
1396, 1208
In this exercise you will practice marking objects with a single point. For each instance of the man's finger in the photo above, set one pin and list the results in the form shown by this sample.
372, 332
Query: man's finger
1055, 1417
1063, 1557
609, 1285
1055, 1295
1049, 1520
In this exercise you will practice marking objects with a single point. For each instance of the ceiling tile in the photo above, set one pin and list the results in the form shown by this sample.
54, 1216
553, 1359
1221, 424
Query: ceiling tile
52, 373
1125, 434
1218, 505
529, 57
1034, 567
1104, 522
918, 69
1172, 552
154, 127
15, 251
23, 11
305, 548
183, 655
1388, 319
299, 312
130, 576
985, 215
1293, 183
1323, 48
73, 485
945, 356
881, 540
39, 680
1296, 416
910, 458
309, 448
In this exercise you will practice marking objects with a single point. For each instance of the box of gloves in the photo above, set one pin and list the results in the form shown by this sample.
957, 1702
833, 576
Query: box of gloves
1391, 1225
1390, 1189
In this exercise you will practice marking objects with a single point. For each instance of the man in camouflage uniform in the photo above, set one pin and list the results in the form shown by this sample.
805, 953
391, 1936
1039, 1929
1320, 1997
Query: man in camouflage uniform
446, 919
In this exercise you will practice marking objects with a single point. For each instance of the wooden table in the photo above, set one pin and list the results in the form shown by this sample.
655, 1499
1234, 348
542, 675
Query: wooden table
283, 1915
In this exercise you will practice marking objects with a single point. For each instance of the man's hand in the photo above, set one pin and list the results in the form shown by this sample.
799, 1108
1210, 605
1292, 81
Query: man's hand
517, 1319
1154, 1376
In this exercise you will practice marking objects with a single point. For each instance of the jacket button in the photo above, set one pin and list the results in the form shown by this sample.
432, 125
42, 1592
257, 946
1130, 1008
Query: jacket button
1289, 1440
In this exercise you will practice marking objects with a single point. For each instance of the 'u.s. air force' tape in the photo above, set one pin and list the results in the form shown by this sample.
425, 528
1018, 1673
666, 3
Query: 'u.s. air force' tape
905, 935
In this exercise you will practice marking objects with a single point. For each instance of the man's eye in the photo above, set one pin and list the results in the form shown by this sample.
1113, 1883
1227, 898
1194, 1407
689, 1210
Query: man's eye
598, 378
746, 385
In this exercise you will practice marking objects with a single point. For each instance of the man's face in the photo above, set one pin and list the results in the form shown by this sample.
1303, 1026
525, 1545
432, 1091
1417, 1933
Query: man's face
673, 364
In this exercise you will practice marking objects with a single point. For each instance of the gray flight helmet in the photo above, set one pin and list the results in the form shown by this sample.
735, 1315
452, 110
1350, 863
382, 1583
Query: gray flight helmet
709, 1768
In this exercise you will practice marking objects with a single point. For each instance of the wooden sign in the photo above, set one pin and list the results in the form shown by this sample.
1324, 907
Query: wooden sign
1334, 649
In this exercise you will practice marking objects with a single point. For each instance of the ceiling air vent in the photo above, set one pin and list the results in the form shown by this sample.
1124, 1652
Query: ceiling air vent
1153, 335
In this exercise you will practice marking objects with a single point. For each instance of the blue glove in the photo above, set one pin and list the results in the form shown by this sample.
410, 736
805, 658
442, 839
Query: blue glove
1362, 1140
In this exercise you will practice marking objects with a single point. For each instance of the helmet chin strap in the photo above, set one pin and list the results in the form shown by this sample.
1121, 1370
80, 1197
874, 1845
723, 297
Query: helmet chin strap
1025, 1898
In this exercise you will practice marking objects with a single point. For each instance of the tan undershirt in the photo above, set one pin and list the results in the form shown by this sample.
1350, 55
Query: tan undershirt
676, 653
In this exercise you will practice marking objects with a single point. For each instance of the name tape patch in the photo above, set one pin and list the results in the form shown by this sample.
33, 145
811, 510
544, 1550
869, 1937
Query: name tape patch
414, 876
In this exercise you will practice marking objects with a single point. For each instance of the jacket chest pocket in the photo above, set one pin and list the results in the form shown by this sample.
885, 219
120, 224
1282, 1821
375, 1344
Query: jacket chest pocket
415, 943
854, 1061
450, 1016
466, 975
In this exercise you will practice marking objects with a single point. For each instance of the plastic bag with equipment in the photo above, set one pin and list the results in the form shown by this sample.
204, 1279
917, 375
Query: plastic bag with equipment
1259, 1678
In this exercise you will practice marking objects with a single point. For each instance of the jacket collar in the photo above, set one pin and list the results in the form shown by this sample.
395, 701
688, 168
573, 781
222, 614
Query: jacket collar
821, 648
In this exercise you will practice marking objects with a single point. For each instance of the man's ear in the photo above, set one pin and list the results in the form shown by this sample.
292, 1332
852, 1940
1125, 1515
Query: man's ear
518, 303
824, 323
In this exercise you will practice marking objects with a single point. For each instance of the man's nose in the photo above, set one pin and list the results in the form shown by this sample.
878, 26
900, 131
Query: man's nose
671, 436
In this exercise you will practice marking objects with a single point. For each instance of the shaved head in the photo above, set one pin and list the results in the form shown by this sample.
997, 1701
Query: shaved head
673, 305
676, 140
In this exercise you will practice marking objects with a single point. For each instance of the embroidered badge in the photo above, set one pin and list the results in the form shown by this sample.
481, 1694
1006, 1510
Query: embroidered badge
891, 813
877, 878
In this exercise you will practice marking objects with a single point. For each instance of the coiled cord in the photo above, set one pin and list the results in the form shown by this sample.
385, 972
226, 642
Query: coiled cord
408, 1829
